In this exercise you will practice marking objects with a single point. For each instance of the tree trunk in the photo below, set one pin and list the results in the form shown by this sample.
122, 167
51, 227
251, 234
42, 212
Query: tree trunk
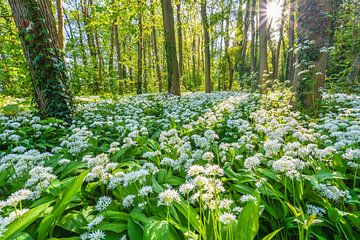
205, 24
155, 47
36, 25
263, 68
180, 41
111, 52
61, 28
245, 40
290, 64
278, 47
253, 36
118, 60
170, 48
314, 25
100, 63
354, 74
140, 52
226, 46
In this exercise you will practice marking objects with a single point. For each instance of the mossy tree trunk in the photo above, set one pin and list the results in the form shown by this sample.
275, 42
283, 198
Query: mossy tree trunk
36, 24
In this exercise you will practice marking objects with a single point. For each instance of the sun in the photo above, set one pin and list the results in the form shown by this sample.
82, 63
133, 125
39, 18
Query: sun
274, 10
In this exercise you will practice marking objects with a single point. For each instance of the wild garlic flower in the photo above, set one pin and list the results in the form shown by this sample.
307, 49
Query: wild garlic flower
128, 201
247, 198
312, 209
168, 197
103, 203
144, 191
96, 221
227, 218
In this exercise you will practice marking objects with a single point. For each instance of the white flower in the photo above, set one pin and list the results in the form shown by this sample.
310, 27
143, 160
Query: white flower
168, 196
103, 203
96, 221
96, 235
312, 209
251, 162
195, 170
227, 218
64, 161
225, 203
186, 188
128, 201
247, 198
208, 156
145, 191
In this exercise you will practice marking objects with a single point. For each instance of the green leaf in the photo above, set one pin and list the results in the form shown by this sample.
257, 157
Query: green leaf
117, 216
73, 222
134, 230
157, 230
248, 222
271, 235
50, 220
24, 221
113, 227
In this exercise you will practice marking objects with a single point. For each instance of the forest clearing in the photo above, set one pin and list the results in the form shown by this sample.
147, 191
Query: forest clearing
161, 119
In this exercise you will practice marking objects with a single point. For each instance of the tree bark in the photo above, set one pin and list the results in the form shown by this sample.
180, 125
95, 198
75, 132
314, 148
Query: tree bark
180, 41
263, 68
155, 47
118, 60
36, 25
205, 24
313, 26
253, 37
170, 48
290, 64
140, 52
61, 28
278, 47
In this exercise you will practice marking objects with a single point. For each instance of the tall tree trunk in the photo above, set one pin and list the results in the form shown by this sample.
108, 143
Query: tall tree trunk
36, 25
314, 25
100, 63
180, 41
87, 18
193, 49
355, 71
170, 48
278, 47
205, 24
245, 40
118, 60
155, 47
61, 27
227, 41
140, 51
111, 52
263, 68
290, 63
253, 38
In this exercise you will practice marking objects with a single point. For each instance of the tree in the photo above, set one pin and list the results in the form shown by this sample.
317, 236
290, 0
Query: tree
61, 28
170, 48
180, 40
155, 47
140, 50
36, 25
313, 30
263, 68
291, 36
205, 24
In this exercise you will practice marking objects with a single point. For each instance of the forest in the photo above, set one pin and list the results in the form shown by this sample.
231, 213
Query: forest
179, 119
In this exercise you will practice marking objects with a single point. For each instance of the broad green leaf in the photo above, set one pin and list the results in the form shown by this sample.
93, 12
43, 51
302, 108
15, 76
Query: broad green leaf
248, 222
24, 221
116, 216
155, 230
50, 220
271, 235
134, 230
113, 227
